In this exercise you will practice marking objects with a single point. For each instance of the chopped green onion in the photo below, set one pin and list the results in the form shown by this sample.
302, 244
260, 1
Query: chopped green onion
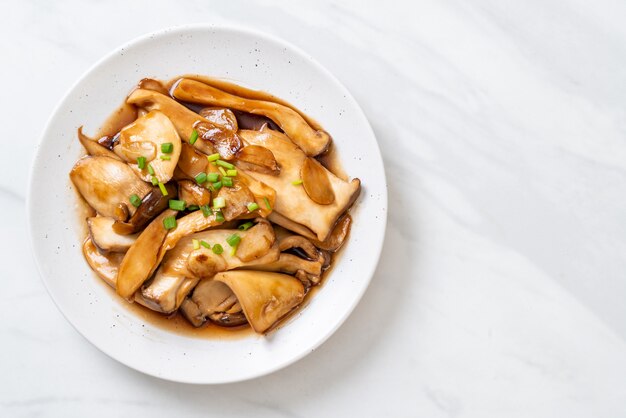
205, 244
163, 189
267, 203
225, 164
231, 173
169, 222
227, 181
219, 202
297, 182
219, 216
213, 157
177, 204
206, 211
217, 185
141, 162
233, 240
200, 178
233, 251
222, 171
196, 244
245, 227
165, 157
193, 207
154, 181
253, 206
167, 147
213, 177
150, 169
194, 137
218, 249
135, 200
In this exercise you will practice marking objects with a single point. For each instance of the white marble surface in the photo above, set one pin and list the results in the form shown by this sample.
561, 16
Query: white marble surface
503, 278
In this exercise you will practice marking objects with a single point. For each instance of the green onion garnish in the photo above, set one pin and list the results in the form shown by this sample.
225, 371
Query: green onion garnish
231, 173
218, 249
141, 162
297, 182
227, 181
213, 177
267, 203
213, 157
219, 216
150, 169
155, 181
135, 200
167, 147
177, 204
196, 244
233, 251
222, 171
206, 211
253, 206
219, 202
217, 185
193, 207
169, 222
194, 137
165, 157
205, 244
163, 189
245, 227
233, 240
225, 164
200, 177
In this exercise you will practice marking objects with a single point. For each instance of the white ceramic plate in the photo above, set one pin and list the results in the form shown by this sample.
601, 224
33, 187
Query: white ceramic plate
252, 59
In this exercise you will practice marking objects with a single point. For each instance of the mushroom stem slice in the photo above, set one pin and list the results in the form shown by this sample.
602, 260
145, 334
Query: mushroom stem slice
141, 258
264, 297
312, 142
105, 237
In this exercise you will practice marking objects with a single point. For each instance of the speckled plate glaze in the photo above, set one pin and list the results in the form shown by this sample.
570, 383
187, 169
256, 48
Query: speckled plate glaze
255, 60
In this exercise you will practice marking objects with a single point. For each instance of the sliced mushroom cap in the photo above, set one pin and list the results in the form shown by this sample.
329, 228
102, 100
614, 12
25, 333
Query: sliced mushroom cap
338, 235
104, 236
145, 138
142, 257
264, 297
106, 266
258, 159
312, 142
224, 141
296, 205
151, 206
224, 118
166, 292
216, 301
106, 185
93, 147
191, 162
193, 194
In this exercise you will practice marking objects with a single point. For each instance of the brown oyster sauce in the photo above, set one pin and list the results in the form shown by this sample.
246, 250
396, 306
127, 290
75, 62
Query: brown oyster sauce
175, 322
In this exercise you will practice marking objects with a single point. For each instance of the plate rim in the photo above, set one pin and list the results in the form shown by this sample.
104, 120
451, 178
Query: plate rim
36, 160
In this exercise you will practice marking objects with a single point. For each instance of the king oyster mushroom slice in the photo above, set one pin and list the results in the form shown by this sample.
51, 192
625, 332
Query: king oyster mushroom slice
145, 138
193, 194
214, 300
265, 297
186, 121
93, 147
183, 265
106, 185
316, 220
151, 206
312, 142
104, 236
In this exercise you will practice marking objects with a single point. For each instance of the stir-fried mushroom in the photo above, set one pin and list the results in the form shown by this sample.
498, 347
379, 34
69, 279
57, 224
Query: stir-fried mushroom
193, 194
264, 297
106, 266
93, 147
221, 117
106, 185
153, 137
313, 142
191, 162
151, 206
338, 235
296, 205
213, 299
104, 236
258, 159
186, 121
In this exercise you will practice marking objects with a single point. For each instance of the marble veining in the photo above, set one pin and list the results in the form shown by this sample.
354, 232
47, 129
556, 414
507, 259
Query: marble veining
500, 291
